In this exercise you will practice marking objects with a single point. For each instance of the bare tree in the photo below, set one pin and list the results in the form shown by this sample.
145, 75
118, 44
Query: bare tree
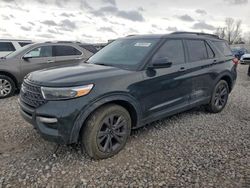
220, 31
247, 38
231, 32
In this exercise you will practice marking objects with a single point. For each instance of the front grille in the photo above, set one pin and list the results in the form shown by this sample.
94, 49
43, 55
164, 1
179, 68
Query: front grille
246, 59
31, 95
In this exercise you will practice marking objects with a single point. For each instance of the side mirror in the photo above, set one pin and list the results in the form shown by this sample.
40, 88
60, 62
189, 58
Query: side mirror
27, 56
161, 63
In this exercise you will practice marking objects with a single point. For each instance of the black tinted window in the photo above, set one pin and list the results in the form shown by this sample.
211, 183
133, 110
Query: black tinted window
197, 50
43, 51
89, 48
66, 51
6, 47
223, 47
209, 51
173, 51
23, 43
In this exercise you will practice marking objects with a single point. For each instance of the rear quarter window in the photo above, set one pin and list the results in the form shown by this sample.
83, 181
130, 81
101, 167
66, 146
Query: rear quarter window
223, 47
6, 47
66, 51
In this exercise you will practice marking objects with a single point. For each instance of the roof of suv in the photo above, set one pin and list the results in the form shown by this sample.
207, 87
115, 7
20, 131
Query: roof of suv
11, 40
179, 35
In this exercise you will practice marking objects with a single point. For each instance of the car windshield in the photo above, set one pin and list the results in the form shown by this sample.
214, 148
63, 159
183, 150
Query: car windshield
124, 53
13, 54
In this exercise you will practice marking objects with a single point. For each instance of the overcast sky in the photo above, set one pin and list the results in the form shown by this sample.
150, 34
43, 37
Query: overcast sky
100, 20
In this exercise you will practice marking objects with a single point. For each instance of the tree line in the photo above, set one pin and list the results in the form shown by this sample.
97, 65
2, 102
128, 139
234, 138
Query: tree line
232, 32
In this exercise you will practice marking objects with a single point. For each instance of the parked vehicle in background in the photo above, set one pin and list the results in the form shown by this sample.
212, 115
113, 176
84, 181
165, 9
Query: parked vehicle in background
16, 65
245, 59
7, 45
129, 83
89, 47
99, 46
239, 52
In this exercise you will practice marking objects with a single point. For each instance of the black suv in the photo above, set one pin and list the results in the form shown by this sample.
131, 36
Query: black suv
131, 82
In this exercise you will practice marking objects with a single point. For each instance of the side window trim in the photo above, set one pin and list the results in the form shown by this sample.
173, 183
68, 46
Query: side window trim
208, 46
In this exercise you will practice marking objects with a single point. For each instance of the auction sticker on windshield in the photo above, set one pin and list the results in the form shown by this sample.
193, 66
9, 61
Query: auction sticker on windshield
142, 44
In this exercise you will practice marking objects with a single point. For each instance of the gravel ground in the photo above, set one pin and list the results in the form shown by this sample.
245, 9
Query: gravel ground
191, 149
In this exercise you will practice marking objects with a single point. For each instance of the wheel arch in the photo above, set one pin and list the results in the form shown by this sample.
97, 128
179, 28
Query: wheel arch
124, 100
11, 76
228, 79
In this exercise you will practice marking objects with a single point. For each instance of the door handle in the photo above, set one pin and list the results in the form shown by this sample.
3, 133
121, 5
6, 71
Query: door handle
50, 61
78, 58
182, 69
214, 62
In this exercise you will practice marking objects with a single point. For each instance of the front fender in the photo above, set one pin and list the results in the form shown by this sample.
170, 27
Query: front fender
92, 106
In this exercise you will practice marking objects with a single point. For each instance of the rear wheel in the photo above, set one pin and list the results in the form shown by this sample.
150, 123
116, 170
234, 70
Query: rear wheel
7, 86
106, 131
219, 97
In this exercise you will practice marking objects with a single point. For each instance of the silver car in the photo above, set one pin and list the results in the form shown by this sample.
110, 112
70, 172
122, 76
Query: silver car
16, 65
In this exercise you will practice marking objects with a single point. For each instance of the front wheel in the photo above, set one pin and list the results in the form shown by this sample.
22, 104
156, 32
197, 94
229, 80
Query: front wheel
219, 97
7, 87
106, 131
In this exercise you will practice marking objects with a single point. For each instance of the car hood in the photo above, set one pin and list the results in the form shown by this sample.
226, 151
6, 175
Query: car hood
74, 75
246, 55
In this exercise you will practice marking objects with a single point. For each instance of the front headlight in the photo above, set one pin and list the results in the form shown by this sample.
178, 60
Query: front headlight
50, 93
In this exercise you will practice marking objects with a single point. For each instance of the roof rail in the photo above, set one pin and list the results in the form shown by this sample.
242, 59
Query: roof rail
63, 42
68, 42
16, 40
131, 35
196, 33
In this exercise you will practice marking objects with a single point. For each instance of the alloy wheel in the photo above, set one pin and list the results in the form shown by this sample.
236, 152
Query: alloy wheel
221, 96
5, 87
112, 133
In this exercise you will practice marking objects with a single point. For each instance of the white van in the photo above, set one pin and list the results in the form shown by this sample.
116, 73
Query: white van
7, 45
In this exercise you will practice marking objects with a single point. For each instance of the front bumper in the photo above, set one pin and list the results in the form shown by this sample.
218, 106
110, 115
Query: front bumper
53, 120
245, 62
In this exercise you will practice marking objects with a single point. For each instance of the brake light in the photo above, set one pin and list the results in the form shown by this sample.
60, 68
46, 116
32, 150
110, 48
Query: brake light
235, 61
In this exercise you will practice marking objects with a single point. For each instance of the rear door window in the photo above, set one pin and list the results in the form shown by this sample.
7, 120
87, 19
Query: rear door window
173, 51
65, 51
6, 47
223, 47
197, 50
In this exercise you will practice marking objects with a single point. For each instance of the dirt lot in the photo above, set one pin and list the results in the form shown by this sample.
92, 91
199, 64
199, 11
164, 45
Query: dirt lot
192, 149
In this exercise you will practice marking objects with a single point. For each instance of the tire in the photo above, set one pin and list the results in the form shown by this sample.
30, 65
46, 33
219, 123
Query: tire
248, 72
219, 97
106, 131
7, 87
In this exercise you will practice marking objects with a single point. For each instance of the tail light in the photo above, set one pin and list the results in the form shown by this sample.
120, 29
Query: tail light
235, 61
